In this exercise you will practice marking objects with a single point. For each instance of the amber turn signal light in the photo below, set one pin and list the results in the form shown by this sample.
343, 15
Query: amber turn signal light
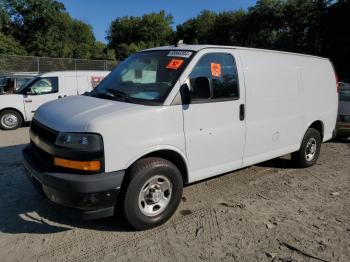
78, 165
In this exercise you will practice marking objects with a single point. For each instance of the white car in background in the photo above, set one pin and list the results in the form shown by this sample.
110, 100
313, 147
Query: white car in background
20, 106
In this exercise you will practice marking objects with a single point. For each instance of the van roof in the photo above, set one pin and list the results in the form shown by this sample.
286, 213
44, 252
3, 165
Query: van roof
73, 72
196, 48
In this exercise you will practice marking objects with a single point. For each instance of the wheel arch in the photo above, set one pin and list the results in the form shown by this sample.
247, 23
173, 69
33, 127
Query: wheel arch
319, 126
170, 154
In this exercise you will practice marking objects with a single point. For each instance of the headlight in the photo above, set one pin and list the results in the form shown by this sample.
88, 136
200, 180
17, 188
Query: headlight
80, 141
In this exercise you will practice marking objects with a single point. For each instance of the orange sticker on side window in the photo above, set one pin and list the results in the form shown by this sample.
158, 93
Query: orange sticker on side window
175, 64
215, 69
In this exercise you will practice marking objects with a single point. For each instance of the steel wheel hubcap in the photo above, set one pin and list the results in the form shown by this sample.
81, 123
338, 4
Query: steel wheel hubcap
9, 120
155, 195
311, 148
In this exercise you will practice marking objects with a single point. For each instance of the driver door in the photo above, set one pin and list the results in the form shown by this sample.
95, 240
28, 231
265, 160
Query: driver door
43, 90
215, 127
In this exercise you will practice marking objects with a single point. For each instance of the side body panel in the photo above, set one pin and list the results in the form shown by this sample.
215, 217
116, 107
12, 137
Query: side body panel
83, 85
285, 94
273, 112
68, 86
319, 100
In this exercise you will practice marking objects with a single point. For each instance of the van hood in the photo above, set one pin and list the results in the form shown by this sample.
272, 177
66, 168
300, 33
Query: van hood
75, 113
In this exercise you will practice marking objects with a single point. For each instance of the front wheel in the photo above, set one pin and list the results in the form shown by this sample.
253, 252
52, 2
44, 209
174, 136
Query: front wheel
152, 193
310, 149
10, 120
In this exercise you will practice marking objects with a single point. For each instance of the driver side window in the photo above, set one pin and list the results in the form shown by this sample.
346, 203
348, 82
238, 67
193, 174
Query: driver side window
45, 85
220, 69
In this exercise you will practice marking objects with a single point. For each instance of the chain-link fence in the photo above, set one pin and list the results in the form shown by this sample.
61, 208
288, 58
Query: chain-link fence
12, 64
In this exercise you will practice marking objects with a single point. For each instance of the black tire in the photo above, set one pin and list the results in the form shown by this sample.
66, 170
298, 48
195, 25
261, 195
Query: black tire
140, 173
302, 157
14, 116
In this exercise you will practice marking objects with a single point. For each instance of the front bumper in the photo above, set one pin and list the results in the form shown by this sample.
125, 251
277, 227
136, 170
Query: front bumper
86, 196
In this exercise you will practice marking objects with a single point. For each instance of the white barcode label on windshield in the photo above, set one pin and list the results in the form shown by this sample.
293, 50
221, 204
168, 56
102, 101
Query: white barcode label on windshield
184, 54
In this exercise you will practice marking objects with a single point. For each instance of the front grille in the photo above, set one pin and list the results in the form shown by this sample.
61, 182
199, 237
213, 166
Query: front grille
43, 132
42, 155
45, 158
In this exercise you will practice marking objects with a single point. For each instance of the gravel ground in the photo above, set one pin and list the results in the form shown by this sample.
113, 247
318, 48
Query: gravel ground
268, 212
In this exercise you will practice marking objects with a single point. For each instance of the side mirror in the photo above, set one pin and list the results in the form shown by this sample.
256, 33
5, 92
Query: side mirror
201, 88
28, 91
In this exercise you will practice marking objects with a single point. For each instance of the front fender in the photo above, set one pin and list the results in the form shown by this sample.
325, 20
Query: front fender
155, 149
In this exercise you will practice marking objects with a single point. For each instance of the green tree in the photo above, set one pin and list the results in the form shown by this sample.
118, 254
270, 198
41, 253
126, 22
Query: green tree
103, 52
129, 34
44, 28
9, 46
198, 30
230, 28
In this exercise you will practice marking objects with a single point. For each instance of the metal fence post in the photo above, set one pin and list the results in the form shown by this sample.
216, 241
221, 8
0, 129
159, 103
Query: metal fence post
38, 64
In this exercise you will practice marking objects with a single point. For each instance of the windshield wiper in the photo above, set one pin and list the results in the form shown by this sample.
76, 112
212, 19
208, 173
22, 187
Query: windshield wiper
118, 94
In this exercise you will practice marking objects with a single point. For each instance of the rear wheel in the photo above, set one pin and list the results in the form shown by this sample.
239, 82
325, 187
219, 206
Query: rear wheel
10, 120
310, 149
151, 193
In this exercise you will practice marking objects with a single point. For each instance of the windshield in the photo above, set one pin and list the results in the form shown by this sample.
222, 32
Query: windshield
145, 77
23, 83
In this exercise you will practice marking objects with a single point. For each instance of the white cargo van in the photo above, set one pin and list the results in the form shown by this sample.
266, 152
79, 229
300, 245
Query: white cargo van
174, 115
19, 106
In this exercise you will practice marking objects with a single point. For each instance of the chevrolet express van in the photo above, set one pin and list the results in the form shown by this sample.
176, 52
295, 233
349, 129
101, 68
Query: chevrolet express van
170, 116
19, 105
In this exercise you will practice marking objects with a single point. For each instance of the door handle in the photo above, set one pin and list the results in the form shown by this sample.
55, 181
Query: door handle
242, 112
59, 97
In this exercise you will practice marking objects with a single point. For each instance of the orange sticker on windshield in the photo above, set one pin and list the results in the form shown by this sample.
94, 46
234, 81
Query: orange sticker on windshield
215, 69
175, 64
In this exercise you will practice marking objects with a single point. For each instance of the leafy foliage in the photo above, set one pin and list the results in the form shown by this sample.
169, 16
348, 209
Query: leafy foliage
8, 45
44, 28
129, 34
317, 27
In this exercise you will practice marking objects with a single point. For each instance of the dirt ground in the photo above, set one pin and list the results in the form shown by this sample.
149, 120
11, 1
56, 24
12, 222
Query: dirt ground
268, 212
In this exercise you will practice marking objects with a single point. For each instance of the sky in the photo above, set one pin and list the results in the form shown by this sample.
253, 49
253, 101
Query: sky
100, 13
